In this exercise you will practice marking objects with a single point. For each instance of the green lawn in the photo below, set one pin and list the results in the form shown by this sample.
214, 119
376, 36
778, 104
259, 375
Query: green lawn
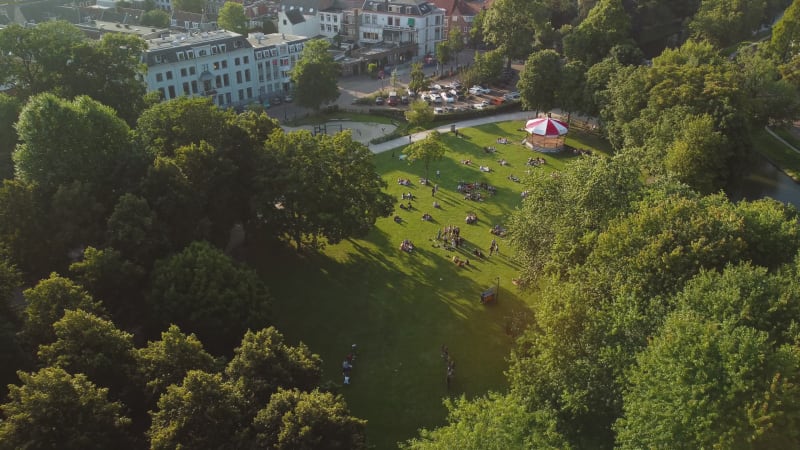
400, 308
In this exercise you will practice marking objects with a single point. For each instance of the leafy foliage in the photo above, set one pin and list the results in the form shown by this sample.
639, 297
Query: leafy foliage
45, 304
308, 420
263, 363
426, 150
203, 292
419, 113
53, 409
202, 412
491, 422
167, 361
315, 75
345, 199
232, 17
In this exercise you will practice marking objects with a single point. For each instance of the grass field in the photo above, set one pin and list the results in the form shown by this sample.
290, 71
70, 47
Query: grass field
400, 308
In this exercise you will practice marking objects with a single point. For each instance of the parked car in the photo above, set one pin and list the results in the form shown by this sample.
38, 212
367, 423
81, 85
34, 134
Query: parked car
448, 97
393, 99
288, 98
276, 100
410, 93
438, 110
477, 90
404, 99
512, 96
379, 101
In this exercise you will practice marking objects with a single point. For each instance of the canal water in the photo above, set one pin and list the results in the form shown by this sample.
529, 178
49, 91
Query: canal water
768, 181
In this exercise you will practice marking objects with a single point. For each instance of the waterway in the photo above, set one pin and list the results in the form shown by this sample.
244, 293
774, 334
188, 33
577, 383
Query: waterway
768, 181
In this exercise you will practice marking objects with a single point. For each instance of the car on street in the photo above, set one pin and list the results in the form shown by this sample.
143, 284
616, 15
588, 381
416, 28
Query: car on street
288, 98
404, 99
379, 101
276, 100
393, 99
512, 96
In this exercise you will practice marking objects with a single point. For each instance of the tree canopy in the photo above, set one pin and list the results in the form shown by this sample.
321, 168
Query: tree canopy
53, 409
231, 17
315, 75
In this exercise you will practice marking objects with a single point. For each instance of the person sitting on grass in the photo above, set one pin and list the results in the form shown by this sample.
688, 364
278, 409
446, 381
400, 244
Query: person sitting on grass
398, 219
427, 217
436, 204
477, 252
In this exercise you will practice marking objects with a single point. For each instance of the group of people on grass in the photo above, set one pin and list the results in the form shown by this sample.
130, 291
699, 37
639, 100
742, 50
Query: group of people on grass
536, 162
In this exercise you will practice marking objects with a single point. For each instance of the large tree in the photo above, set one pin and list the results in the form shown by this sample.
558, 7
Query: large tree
264, 362
494, 422
417, 81
606, 26
724, 22
79, 140
203, 291
203, 411
45, 304
232, 17
426, 150
706, 384
96, 348
344, 200
539, 80
509, 25
296, 420
315, 75
55, 56
419, 114
53, 409
167, 361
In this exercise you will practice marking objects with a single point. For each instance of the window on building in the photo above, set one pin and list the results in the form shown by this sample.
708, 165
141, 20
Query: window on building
192, 70
336, 28
172, 91
216, 65
241, 94
226, 80
218, 81
329, 28
238, 77
335, 19
186, 88
162, 93
249, 92
246, 59
322, 27
190, 54
194, 86
169, 74
183, 72
247, 75
228, 97
159, 77
181, 56
236, 62
224, 64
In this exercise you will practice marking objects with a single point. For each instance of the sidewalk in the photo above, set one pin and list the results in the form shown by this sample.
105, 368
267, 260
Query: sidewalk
399, 142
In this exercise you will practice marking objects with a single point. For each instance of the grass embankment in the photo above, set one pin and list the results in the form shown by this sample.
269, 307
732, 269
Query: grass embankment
399, 307
782, 156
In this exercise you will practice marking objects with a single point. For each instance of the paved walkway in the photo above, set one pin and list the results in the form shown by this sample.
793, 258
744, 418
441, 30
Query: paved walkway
399, 142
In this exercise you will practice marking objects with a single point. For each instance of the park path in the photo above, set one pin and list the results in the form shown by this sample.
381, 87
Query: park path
401, 141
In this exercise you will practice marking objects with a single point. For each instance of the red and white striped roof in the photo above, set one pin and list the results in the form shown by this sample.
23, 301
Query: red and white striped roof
546, 126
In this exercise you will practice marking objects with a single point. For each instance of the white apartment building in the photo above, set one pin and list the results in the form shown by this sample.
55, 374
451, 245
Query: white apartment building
401, 22
227, 67
415, 23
